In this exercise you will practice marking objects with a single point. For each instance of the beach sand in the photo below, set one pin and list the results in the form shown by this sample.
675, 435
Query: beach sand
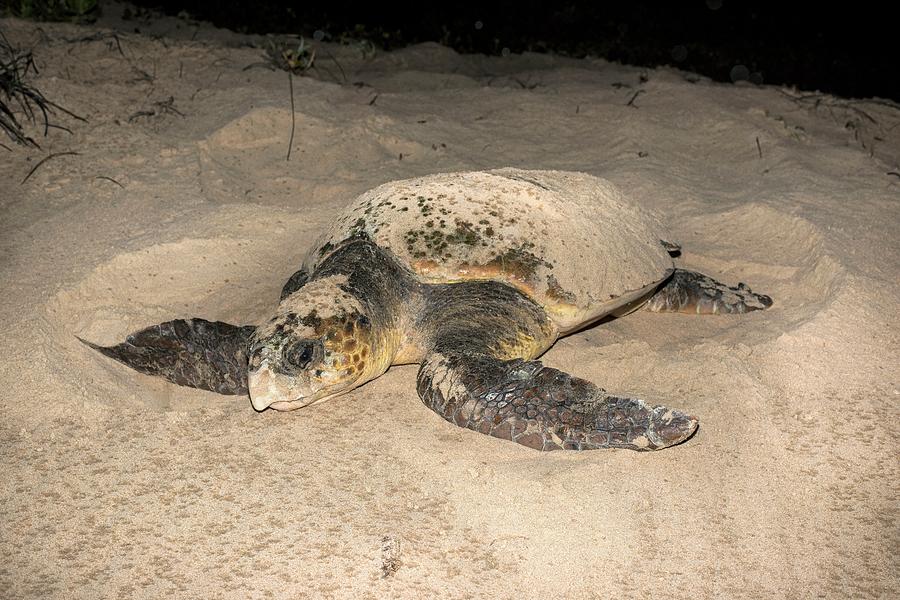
180, 202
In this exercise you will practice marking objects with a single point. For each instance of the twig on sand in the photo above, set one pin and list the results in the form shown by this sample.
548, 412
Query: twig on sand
100, 36
166, 106
827, 100
758, 147
633, 98
849, 113
280, 54
299, 60
110, 179
45, 159
293, 117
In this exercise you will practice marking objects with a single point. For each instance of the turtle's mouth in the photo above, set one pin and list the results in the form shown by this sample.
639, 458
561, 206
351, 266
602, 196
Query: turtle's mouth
270, 388
276, 390
284, 405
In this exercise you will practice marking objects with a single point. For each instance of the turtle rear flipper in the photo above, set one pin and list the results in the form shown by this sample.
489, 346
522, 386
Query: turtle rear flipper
692, 292
543, 408
209, 355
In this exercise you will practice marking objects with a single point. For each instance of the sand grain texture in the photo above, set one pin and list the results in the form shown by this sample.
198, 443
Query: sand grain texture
119, 485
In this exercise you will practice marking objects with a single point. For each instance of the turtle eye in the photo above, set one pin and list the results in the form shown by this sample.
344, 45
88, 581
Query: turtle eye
301, 353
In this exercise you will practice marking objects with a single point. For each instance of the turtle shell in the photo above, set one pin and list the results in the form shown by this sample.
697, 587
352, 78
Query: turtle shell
571, 241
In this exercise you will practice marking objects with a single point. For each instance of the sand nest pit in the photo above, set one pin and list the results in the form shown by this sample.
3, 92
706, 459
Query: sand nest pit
764, 242
192, 277
229, 279
234, 277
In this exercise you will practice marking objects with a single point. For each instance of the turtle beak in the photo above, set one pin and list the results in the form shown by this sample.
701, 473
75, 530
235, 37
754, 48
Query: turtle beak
271, 389
259, 383
259, 386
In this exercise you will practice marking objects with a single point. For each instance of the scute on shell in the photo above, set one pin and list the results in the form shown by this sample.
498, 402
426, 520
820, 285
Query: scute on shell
572, 241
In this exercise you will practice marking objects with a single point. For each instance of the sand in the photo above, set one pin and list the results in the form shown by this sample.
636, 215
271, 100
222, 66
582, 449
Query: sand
119, 485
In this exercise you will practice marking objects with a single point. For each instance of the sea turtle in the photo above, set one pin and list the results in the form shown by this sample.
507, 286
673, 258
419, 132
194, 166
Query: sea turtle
472, 275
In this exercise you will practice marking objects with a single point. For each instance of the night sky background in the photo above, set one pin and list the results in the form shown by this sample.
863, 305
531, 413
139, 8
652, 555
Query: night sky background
850, 51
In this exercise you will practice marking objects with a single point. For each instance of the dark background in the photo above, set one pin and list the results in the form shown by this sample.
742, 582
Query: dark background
847, 48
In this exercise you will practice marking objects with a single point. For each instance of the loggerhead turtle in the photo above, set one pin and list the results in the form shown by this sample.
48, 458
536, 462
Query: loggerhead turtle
473, 275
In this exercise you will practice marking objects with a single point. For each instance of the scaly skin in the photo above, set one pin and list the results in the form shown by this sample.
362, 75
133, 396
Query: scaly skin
543, 408
692, 292
209, 355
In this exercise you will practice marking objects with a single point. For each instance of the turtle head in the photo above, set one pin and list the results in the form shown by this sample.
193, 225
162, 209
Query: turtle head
296, 360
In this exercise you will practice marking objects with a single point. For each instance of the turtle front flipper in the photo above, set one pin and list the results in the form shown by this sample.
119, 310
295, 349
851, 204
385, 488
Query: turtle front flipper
543, 408
692, 292
209, 355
